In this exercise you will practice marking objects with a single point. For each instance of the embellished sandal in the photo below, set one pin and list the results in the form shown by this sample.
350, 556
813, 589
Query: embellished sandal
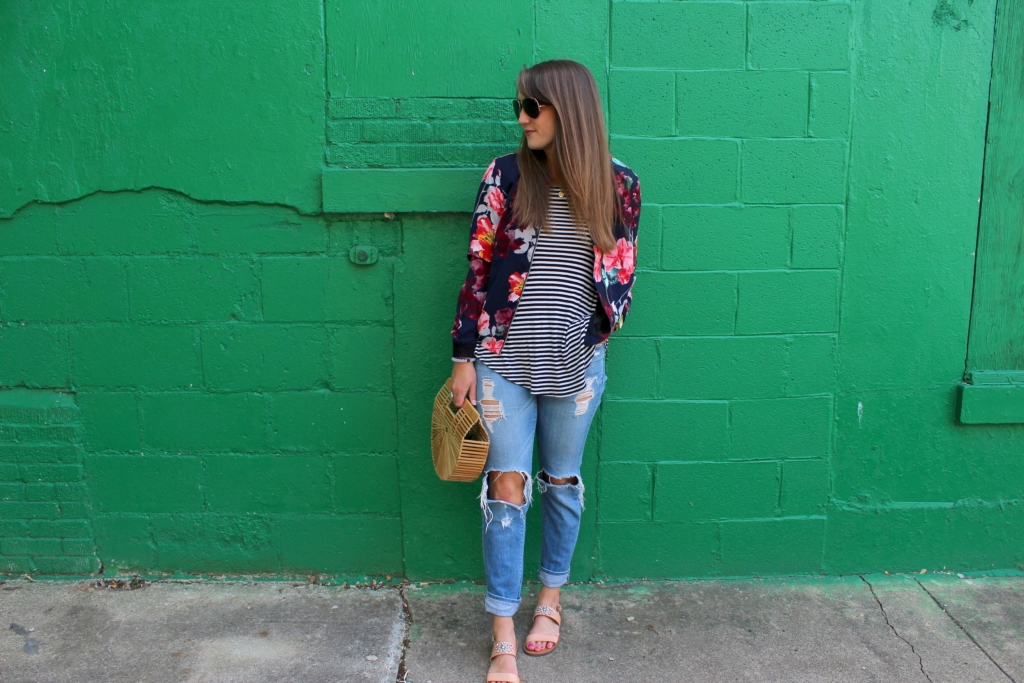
503, 647
555, 615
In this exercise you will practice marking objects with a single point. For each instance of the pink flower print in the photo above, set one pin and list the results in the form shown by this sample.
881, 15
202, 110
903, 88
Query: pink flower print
495, 200
493, 345
483, 323
503, 317
623, 259
515, 286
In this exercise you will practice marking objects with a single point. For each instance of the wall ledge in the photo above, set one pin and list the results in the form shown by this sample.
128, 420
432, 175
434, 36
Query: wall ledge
993, 397
372, 190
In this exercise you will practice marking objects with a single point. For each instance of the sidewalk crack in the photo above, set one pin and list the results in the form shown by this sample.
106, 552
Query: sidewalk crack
881, 608
403, 672
965, 631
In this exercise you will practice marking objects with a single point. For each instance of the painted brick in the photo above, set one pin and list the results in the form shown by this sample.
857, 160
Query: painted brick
817, 235
12, 491
723, 368
125, 357
805, 486
216, 422
362, 107
11, 528
151, 222
784, 546
9, 473
42, 433
348, 544
329, 421
69, 492
216, 543
685, 431
648, 255
799, 35
811, 366
259, 229
191, 289
781, 428
725, 238
682, 171
625, 491
683, 304
78, 546
23, 510
361, 358
150, 483
385, 234
40, 491
111, 421
44, 528
44, 289
641, 103
74, 510
264, 357
741, 104
30, 546
34, 357
830, 106
458, 132
367, 484
698, 35
396, 131
297, 289
32, 232
657, 551
343, 131
687, 492
76, 566
125, 542
267, 483
632, 367
794, 171
15, 565
776, 302
50, 473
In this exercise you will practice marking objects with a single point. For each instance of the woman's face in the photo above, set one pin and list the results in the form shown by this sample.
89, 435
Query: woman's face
540, 132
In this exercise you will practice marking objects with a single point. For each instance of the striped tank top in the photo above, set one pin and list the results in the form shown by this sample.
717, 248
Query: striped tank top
544, 350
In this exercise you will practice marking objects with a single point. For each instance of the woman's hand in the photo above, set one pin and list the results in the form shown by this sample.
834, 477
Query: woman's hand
463, 381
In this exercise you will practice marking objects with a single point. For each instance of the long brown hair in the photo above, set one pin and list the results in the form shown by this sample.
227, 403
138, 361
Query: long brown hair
580, 151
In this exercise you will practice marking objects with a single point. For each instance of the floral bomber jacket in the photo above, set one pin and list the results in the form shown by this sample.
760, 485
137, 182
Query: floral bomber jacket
500, 252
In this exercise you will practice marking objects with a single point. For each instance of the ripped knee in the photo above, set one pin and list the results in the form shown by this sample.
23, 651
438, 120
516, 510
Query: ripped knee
508, 487
558, 481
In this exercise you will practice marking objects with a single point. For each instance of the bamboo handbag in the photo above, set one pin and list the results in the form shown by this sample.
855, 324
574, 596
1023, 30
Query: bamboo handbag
458, 440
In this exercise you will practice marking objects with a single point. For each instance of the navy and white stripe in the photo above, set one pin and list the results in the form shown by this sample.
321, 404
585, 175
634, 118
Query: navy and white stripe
544, 350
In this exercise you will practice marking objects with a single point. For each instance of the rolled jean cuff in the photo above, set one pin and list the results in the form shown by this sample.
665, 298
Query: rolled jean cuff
500, 607
552, 579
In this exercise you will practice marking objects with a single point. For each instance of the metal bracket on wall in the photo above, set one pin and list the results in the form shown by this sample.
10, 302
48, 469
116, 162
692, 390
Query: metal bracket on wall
363, 255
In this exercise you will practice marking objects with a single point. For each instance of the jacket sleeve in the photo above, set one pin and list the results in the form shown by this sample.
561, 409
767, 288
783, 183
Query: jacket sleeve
629, 194
491, 205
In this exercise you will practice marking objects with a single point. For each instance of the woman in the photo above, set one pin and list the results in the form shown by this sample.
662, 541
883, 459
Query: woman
551, 255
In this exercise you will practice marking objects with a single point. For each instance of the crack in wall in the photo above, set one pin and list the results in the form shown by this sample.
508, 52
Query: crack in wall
892, 628
964, 630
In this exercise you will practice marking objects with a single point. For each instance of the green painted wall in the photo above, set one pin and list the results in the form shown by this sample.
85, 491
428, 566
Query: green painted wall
194, 378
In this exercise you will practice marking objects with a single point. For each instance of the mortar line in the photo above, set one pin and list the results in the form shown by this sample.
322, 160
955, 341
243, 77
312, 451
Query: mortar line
892, 628
965, 631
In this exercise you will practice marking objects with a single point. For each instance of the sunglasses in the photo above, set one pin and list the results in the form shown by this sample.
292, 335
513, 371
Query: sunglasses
530, 105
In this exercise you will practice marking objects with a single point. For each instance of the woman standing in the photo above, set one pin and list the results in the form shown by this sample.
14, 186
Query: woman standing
552, 255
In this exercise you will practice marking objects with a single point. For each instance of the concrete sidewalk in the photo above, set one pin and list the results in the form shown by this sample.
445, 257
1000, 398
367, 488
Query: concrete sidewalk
903, 629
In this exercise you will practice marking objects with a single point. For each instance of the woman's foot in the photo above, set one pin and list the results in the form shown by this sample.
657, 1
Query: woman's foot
504, 632
544, 626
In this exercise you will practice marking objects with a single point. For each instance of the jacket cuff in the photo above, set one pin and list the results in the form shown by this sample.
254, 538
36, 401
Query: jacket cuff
463, 350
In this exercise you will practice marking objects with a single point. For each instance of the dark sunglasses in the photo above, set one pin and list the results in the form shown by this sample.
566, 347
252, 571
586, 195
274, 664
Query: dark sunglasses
530, 105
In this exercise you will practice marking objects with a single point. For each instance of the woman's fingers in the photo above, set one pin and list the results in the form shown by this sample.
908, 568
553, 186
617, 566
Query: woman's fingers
472, 390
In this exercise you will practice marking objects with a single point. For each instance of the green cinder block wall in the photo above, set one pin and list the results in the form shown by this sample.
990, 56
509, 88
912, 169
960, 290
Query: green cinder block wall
196, 379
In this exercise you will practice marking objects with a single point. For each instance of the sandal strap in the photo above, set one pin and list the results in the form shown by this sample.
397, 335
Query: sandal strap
554, 614
503, 647
502, 678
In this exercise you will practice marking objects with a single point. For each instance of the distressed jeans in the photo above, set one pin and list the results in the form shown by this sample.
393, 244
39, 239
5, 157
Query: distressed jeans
513, 417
